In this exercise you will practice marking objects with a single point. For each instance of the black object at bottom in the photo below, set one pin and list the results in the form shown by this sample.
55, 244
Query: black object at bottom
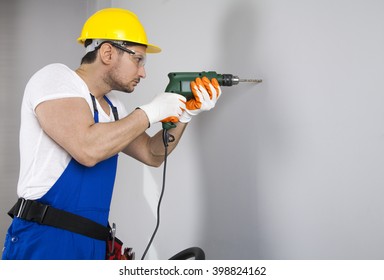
193, 252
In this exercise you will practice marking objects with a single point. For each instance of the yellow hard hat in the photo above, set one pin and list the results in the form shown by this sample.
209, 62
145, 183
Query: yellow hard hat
116, 24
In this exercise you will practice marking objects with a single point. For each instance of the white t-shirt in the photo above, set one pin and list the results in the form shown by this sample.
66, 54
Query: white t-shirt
42, 161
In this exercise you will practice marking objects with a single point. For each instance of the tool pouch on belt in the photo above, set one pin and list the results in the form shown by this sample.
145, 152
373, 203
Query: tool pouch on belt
115, 246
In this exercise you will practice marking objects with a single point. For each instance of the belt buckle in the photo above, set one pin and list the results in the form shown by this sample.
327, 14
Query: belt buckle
21, 208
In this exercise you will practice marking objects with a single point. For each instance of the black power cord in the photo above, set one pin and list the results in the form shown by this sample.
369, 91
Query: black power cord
167, 138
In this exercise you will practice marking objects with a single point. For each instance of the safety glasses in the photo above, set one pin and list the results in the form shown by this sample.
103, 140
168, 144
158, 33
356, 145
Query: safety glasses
138, 58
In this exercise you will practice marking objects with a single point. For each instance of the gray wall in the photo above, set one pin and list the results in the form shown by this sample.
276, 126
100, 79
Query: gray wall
289, 169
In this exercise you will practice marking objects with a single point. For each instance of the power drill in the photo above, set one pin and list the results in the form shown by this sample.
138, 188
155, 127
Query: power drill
179, 82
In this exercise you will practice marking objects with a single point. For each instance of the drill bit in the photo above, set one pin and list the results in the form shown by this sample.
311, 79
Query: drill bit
236, 80
250, 81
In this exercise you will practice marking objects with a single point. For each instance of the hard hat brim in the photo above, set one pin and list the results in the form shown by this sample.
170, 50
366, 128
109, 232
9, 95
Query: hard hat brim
153, 49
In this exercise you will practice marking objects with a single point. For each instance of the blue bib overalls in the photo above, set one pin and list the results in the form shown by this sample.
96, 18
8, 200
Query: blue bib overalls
85, 191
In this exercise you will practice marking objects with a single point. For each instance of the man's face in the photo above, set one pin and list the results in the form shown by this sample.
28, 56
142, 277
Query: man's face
128, 70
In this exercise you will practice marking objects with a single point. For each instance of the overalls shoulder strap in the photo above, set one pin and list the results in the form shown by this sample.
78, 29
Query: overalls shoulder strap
114, 109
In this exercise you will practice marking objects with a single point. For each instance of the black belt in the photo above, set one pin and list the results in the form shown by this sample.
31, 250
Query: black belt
34, 211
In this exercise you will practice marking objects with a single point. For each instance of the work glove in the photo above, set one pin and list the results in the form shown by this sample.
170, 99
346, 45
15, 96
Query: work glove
205, 93
163, 107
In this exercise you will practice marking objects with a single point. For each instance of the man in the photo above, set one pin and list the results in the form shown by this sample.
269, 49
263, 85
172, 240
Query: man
72, 130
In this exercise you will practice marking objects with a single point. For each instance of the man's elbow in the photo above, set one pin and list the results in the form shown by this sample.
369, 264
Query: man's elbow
86, 159
154, 161
156, 164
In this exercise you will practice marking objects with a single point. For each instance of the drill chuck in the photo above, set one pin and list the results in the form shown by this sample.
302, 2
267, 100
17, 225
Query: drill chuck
228, 80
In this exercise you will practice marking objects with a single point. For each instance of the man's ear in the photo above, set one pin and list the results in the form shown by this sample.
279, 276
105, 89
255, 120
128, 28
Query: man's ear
105, 53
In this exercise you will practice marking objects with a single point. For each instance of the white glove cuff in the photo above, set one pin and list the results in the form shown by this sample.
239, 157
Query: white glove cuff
185, 117
148, 110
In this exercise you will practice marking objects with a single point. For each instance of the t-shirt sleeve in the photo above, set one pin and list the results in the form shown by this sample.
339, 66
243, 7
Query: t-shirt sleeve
54, 81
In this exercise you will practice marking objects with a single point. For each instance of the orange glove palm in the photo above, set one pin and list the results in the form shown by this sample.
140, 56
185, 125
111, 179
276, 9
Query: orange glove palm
205, 93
